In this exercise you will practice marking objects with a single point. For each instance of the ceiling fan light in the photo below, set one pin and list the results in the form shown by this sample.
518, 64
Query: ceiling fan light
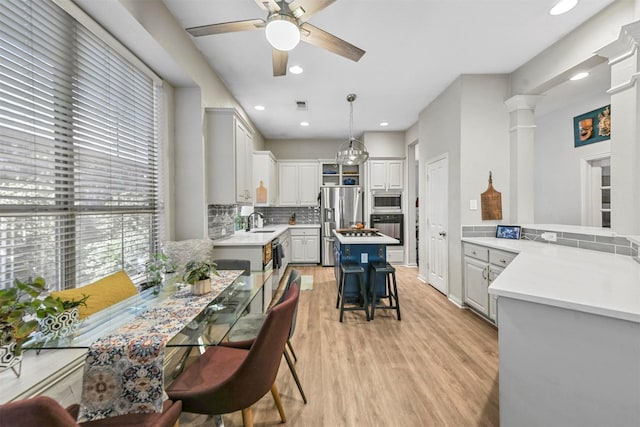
563, 6
282, 32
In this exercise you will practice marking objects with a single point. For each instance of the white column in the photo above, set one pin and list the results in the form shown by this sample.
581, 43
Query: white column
521, 157
624, 60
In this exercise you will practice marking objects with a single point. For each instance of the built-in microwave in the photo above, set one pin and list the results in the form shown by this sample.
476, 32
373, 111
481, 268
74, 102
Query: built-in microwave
386, 201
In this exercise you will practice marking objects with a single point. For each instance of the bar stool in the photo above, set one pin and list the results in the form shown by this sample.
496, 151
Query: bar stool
356, 269
389, 275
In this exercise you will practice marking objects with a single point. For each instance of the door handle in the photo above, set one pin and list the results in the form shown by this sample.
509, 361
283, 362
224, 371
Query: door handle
442, 233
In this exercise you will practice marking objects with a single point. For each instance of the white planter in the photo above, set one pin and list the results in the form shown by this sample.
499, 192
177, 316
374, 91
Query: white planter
202, 287
8, 357
61, 324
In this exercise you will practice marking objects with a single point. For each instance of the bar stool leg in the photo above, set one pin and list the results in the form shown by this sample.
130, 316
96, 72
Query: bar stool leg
373, 293
395, 295
341, 295
363, 290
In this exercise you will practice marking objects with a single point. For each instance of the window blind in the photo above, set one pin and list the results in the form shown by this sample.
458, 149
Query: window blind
79, 169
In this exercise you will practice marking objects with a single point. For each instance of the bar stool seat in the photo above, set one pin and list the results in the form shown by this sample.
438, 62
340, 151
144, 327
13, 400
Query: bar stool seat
357, 270
391, 294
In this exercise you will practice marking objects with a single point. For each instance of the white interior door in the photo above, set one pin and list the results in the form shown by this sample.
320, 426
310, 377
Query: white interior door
437, 221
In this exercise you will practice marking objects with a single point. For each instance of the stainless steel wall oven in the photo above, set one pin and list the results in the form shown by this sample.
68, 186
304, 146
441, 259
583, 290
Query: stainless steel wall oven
390, 224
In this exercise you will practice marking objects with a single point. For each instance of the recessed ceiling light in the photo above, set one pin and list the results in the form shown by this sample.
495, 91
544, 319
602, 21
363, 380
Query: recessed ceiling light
304, 123
563, 6
259, 107
383, 124
296, 69
579, 76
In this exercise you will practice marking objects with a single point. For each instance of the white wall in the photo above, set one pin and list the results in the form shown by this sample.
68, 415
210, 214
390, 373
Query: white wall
385, 144
484, 143
557, 162
303, 149
439, 133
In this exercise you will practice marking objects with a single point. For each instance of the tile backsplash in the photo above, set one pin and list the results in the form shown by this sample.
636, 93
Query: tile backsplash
615, 245
221, 218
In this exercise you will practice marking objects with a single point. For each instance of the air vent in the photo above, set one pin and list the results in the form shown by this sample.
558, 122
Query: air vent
301, 105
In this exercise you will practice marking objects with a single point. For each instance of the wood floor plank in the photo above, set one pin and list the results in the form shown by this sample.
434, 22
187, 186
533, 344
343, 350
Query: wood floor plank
436, 367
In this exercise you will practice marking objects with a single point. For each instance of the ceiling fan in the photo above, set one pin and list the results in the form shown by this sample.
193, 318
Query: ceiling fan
285, 26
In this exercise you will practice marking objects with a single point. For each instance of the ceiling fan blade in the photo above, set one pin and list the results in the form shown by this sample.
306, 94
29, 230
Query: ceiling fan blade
226, 27
280, 59
304, 9
317, 37
268, 5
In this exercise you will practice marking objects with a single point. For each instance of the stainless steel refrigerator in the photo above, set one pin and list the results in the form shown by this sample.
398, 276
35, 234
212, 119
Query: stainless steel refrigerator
340, 207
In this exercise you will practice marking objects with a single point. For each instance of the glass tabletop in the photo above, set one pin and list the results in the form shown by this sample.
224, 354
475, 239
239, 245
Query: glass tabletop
208, 328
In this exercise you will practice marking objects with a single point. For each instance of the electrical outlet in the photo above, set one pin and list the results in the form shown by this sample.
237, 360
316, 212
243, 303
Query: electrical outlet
223, 231
473, 205
549, 236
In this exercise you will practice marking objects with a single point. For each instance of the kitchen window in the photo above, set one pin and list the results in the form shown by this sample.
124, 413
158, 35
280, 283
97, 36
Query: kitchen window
79, 168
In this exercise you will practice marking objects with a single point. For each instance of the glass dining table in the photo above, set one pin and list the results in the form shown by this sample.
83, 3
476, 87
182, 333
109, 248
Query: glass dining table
139, 345
208, 328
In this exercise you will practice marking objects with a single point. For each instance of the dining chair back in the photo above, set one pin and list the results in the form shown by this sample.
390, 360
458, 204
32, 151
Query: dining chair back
228, 377
45, 411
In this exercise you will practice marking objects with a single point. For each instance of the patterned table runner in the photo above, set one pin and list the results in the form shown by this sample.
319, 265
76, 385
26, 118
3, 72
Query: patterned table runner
124, 370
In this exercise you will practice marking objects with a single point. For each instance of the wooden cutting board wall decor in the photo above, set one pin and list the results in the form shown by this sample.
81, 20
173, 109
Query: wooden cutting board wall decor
491, 202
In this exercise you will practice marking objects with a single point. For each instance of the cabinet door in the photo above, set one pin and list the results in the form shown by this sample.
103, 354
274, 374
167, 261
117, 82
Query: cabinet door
288, 177
476, 284
493, 300
244, 160
273, 179
307, 181
298, 248
378, 174
395, 175
312, 248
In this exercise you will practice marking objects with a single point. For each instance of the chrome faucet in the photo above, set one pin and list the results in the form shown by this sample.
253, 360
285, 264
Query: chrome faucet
250, 220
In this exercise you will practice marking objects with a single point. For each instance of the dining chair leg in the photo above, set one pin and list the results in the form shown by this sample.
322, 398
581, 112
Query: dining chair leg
247, 417
276, 398
295, 375
293, 353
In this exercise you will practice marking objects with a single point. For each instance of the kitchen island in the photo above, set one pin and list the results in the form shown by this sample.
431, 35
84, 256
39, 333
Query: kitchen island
361, 247
569, 336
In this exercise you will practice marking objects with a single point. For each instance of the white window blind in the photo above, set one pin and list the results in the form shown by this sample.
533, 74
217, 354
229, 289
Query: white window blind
79, 187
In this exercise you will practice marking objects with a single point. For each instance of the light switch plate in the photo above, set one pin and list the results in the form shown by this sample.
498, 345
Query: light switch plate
364, 258
473, 205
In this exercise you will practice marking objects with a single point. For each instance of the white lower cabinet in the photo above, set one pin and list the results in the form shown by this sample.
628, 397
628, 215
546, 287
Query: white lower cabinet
481, 267
305, 245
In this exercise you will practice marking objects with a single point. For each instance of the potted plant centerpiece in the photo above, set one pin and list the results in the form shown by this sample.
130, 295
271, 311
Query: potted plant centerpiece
198, 275
156, 267
20, 309
65, 321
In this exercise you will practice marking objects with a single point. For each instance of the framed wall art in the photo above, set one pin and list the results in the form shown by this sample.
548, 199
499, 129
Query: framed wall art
594, 126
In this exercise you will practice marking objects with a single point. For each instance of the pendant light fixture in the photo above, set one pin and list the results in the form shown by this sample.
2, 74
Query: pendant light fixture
351, 152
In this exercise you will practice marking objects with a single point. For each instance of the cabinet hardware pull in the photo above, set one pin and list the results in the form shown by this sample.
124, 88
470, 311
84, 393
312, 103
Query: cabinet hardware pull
504, 261
483, 271
474, 252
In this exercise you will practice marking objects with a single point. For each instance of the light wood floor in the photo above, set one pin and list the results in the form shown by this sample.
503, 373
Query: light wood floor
436, 367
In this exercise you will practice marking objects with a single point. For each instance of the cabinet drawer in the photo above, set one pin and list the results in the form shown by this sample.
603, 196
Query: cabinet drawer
477, 252
501, 258
304, 231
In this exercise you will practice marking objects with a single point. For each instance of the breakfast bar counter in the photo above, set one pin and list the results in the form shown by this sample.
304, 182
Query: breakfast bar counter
569, 336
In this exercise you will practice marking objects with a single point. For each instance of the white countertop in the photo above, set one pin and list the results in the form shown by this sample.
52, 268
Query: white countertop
382, 239
577, 279
251, 238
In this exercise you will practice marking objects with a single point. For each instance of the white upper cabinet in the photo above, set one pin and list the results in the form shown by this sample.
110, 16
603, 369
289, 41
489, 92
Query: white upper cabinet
298, 183
229, 162
386, 174
265, 179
